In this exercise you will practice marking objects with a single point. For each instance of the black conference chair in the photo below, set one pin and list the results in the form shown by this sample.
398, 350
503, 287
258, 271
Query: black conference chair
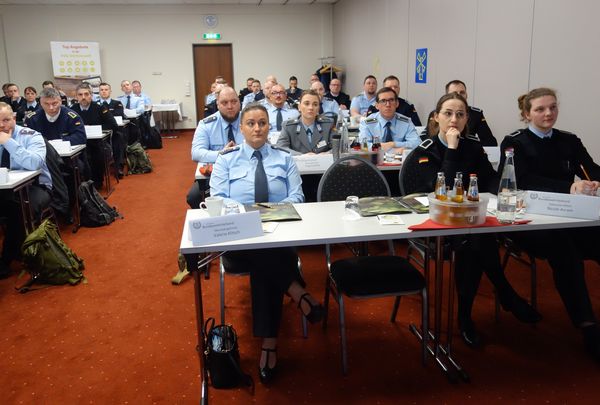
362, 277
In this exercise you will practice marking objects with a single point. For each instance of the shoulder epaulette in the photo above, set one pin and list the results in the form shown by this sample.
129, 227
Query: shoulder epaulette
562, 131
26, 131
291, 122
327, 98
279, 148
517, 132
426, 143
473, 137
324, 119
118, 103
229, 150
72, 114
401, 117
30, 114
210, 119
370, 120
475, 108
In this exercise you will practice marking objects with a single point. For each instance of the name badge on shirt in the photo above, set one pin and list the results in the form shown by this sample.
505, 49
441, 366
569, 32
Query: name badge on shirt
321, 144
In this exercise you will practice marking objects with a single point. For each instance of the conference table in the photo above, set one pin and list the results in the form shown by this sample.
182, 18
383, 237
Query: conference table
19, 182
168, 114
323, 223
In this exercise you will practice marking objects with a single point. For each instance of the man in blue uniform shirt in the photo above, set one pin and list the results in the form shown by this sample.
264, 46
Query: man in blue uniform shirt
393, 130
214, 134
279, 111
136, 86
20, 149
404, 107
360, 104
256, 94
329, 107
56, 121
130, 100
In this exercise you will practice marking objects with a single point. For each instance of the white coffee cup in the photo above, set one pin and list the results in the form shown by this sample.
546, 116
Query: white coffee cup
3, 175
213, 205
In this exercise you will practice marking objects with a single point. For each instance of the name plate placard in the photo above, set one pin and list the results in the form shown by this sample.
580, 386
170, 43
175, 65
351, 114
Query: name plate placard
563, 205
313, 163
205, 230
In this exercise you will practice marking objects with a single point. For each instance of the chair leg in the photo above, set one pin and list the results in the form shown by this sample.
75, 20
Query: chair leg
424, 324
222, 288
533, 282
395, 309
496, 298
343, 335
326, 301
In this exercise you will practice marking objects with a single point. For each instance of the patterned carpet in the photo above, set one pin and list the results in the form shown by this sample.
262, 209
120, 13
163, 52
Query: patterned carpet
128, 336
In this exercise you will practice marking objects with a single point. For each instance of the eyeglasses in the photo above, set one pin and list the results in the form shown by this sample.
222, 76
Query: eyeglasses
449, 113
278, 93
387, 101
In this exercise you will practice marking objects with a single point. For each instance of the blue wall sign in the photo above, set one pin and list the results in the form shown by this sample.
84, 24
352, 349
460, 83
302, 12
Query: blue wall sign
421, 66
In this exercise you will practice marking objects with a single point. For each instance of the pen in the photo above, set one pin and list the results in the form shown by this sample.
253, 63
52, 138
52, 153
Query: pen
587, 177
263, 205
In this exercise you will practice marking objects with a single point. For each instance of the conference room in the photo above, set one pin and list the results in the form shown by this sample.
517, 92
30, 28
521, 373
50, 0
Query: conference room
129, 334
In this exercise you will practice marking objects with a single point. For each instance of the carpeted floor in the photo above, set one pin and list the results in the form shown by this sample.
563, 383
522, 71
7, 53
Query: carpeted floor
128, 336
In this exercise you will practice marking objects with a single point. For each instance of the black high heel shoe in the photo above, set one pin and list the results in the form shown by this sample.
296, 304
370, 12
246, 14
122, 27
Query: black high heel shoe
316, 310
267, 373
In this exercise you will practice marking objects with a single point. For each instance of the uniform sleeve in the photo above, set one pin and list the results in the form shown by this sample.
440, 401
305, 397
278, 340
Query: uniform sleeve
284, 141
484, 132
294, 183
76, 131
108, 120
219, 178
29, 152
201, 145
411, 137
355, 105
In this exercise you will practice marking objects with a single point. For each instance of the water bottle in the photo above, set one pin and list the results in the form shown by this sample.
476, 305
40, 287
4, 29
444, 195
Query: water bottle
507, 192
335, 146
345, 140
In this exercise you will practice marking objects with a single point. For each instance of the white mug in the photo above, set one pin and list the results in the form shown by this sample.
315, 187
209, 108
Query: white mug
213, 205
3, 175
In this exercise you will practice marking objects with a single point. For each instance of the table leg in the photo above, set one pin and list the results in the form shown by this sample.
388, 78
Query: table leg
106, 159
76, 184
26, 212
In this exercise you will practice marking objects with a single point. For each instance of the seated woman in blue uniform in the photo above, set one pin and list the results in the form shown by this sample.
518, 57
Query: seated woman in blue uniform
452, 150
548, 159
256, 171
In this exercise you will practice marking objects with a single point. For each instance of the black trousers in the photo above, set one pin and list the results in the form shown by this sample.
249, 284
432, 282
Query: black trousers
40, 198
195, 196
565, 251
272, 271
475, 255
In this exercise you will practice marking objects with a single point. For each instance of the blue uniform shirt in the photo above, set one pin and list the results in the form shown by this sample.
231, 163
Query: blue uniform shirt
331, 107
147, 101
233, 175
404, 133
362, 103
287, 113
135, 103
28, 152
539, 133
68, 126
211, 137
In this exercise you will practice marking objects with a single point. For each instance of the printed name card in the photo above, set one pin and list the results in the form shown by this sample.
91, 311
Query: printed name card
130, 113
205, 230
313, 163
93, 131
563, 205
119, 120
62, 147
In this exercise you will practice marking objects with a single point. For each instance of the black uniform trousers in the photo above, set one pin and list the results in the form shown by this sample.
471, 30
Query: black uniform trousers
565, 251
475, 255
272, 271
39, 198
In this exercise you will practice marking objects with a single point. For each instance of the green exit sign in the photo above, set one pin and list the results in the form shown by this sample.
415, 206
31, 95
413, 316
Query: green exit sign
211, 35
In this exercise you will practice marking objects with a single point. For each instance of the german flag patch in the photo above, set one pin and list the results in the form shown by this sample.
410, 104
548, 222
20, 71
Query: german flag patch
423, 159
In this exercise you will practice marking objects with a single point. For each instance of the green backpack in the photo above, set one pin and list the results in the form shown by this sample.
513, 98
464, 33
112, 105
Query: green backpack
137, 159
48, 259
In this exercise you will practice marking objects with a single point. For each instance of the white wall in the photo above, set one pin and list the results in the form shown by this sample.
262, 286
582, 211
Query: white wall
137, 41
499, 49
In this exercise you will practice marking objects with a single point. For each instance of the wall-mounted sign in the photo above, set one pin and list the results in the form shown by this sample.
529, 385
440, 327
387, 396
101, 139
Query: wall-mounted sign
75, 59
211, 35
421, 66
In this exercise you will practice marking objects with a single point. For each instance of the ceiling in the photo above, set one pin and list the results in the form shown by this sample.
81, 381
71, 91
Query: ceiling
168, 2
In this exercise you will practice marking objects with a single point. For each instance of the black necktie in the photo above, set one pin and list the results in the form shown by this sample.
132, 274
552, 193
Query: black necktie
309, 135
5, 159
128, 105
321, 109
261, 189
387, 135
230, 137
279, 119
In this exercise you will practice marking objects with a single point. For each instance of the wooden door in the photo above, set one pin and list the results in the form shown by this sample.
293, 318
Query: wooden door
210, 61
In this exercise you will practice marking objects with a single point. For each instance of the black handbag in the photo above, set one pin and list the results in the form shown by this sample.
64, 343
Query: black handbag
222, 357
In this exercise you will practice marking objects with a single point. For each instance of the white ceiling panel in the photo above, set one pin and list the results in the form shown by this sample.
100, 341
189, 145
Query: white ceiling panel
167, 2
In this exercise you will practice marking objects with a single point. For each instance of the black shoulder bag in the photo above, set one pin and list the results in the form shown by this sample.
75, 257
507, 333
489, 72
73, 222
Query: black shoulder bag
222, 357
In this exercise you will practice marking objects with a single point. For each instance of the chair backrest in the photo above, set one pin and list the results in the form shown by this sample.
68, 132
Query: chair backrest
352, 175
407, 177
